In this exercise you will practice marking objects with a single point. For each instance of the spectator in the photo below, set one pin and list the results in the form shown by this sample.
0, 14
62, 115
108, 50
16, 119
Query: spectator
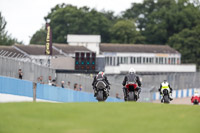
62, 84
117, 96
68, 84
20, 73
49, 81
80, 87
76, 87
41, 80
53, 82
38, 80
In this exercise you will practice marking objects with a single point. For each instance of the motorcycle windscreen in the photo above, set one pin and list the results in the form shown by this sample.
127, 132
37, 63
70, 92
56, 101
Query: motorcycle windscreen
100, 85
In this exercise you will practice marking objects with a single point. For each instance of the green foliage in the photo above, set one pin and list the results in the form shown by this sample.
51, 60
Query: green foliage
5, 39
160, 19
124, 31
187, 42
98, 118
39, 37
68, 19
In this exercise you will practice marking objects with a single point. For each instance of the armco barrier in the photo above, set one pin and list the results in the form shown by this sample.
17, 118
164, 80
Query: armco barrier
46, 92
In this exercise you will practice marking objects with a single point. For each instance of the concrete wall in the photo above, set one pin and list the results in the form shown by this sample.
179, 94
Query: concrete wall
63, 63
10, 67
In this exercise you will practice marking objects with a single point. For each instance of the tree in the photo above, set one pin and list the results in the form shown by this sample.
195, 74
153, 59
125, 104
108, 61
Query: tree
5, 39
124, 31
39, 37
68, 19
160, 19
187, 42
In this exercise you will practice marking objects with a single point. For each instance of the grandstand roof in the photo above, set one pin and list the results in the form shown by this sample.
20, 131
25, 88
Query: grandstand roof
10, 51
35, 49
136, 48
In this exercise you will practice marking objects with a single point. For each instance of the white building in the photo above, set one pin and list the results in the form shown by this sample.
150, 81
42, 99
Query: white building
91, 42
120, 58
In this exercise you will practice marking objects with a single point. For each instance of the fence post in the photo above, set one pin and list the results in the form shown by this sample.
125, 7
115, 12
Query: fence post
34, 91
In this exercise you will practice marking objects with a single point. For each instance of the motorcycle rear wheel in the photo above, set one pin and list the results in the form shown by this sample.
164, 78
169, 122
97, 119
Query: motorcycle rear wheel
166, 99
131, 96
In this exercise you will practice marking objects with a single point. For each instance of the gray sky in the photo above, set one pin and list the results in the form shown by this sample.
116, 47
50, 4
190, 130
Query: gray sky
25, 17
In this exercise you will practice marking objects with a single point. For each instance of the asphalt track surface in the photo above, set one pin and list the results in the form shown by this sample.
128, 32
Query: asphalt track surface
186, 101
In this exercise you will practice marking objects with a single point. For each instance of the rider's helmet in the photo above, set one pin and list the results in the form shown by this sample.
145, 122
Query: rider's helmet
165, 81
132, 70
101, 73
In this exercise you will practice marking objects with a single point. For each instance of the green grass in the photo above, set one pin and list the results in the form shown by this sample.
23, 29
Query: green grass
126, 117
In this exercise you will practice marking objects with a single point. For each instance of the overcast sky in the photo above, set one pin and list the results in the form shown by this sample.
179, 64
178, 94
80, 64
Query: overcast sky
25, 17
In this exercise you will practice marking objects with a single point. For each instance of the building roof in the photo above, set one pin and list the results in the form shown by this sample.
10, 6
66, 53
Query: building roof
136, 48
10, 51
70, 49
35, 49
83, 38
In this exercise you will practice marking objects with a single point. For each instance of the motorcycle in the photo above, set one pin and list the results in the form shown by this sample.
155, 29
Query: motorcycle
132, 93
166, 98
102, 91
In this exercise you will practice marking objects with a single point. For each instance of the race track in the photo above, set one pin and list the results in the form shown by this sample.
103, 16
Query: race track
178, 101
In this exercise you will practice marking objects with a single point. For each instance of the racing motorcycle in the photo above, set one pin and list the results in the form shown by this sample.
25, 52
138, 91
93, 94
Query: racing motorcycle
102, 91
132, 93
165, 94
195, 100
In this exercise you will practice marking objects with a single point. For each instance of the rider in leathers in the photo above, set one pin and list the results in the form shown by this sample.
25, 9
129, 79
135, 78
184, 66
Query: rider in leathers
165, 85
100, 76
131, 77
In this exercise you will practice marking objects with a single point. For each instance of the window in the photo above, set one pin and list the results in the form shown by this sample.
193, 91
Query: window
111, 61
165, 60
178, 62
118, 61
169, 61
157, 60
125, 60
107, 60
147, 60
173, 60
151, 60
133, 60
143, 60
138, 60
160, 60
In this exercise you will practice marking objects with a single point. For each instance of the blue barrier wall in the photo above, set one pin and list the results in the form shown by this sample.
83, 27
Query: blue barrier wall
46, 92
16, 87
181, 93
